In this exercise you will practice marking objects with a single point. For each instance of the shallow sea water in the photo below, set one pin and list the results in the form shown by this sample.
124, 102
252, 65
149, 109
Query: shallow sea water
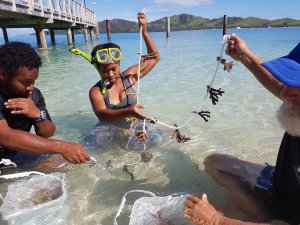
243, 123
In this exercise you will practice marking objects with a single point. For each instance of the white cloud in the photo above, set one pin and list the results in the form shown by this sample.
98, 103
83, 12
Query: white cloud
126, 15
182, 2
156, 12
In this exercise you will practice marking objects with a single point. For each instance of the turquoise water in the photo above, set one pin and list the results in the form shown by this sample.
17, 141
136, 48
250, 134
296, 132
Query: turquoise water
243, 123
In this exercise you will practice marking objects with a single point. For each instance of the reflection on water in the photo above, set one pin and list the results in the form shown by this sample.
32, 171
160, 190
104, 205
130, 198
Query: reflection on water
242, 123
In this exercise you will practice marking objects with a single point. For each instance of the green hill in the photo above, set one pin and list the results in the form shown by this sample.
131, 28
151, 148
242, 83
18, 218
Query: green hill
190, 22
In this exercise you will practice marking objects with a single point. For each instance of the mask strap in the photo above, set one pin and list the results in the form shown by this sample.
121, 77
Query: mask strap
76, 51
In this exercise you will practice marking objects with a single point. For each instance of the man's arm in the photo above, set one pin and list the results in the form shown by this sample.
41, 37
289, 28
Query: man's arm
227, 221
238, 50
26, 142
45, 128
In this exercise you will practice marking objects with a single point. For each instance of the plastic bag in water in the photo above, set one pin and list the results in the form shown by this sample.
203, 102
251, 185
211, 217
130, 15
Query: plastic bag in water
37, 199
158, 211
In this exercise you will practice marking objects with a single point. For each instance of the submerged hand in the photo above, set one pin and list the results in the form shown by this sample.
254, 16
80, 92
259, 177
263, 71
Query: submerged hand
134, 111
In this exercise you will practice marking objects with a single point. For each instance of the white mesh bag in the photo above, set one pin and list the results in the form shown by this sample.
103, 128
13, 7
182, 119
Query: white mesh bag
36, 199
156, 210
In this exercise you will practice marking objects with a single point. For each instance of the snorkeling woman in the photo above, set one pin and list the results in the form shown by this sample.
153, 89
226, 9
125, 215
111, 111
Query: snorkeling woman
114, 97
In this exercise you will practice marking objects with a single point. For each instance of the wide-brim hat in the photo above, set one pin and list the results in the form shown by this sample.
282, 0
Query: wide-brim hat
287, 68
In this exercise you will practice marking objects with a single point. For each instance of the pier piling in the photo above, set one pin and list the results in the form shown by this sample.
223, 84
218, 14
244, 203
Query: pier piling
85, 34
97, 31
40, 37
91, 34
52, 36
168, 26
69, 36
5, 36
108, 29
224, 25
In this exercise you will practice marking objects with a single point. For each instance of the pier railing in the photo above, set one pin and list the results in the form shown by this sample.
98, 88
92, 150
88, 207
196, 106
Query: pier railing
53, 10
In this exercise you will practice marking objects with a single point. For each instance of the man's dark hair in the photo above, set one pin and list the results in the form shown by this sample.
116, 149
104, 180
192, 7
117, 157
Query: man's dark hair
103, 46
14, 55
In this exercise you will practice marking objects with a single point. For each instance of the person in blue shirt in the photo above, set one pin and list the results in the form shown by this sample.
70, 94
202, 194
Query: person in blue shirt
251, 184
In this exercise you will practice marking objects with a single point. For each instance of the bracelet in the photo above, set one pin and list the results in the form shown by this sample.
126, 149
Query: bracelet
149, 56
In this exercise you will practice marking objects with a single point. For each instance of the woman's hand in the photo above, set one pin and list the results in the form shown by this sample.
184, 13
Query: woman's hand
142, 20
134, 111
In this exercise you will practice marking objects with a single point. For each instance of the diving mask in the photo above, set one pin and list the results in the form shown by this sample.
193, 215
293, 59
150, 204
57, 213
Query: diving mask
108, 55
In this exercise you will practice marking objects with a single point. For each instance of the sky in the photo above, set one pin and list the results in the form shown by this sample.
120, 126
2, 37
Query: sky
157, 9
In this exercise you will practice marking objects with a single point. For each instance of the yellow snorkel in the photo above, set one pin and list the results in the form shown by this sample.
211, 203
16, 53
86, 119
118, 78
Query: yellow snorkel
76, 51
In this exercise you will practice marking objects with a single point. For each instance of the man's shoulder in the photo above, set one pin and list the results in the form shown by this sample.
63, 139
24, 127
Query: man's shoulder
98, 84
36, 90
2, 101
36, 93
96, 87
290, 137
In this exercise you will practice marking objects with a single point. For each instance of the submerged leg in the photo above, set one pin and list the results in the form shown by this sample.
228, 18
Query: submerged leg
51, 165
240, 178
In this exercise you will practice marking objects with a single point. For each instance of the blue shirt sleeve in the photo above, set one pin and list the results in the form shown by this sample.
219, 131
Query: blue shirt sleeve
39, 101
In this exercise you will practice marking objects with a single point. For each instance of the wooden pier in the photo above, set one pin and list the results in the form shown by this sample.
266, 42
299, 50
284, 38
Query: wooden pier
48, 14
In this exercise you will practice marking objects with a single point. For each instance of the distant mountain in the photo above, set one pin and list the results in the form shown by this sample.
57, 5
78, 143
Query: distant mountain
190, 22
118, 26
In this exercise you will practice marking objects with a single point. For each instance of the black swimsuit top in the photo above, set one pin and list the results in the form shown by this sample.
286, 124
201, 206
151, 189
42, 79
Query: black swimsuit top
127, 101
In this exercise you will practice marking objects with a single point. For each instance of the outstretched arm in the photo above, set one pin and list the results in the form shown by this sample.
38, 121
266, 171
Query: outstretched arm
26, 142
146, 65
238, 50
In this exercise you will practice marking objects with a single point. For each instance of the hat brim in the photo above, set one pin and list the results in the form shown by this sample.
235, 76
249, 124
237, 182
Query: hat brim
285, 70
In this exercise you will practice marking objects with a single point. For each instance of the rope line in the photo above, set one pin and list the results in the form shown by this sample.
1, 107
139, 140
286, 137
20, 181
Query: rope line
223, 42
139, 67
